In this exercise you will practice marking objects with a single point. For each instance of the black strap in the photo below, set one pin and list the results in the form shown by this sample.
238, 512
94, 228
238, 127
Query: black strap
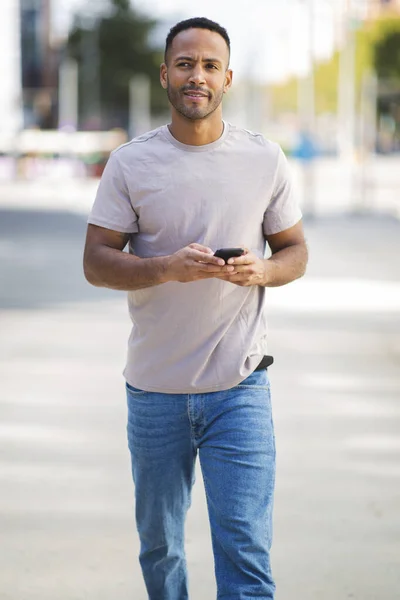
266, 362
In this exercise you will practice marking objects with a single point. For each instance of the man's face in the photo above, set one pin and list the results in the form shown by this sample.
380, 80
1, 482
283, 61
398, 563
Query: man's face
196, 74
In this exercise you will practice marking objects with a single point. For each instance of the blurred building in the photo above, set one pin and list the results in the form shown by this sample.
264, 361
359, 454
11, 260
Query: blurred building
10, 69
39, 64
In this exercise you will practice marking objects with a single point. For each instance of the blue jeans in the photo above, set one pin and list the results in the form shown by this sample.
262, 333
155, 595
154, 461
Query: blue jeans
233, 433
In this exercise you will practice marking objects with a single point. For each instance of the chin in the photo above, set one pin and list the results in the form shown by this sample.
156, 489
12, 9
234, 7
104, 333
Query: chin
192, 115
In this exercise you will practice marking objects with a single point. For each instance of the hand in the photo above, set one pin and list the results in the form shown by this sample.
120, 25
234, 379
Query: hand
195, 262
249, 269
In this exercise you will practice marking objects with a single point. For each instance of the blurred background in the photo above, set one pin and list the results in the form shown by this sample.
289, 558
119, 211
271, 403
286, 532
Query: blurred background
321, 78
80, 77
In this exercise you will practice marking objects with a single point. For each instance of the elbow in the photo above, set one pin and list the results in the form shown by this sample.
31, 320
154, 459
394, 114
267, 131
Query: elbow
90, 274
302, 272
304, 262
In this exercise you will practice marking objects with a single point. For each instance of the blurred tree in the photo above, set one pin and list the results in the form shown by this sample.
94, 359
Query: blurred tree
386, 51
387, 56
283, 97
377, 48
110, 50
386, 61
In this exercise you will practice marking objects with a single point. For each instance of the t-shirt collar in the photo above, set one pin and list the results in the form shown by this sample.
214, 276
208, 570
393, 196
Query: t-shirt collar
202, 148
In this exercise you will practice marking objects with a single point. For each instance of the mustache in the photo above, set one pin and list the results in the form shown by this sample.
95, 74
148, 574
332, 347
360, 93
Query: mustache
192, 88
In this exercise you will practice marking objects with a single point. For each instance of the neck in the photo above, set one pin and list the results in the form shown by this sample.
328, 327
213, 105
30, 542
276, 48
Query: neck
196, 133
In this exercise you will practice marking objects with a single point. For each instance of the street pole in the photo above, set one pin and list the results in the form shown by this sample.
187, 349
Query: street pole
90, 73
68, 95
306, 114
139, 105
346, 105
368, 133
347, 88
306, 89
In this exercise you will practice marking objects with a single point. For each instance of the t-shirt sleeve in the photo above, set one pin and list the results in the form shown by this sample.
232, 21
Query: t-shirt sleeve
112, 207
283, 210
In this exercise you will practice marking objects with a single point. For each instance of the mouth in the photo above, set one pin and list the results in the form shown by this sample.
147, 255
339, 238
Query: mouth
194, 95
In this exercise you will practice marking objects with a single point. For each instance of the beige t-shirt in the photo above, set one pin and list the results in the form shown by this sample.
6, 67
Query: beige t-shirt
207, 335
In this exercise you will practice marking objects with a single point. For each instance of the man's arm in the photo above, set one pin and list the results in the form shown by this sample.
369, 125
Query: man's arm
287, 262
106, 265
289, 256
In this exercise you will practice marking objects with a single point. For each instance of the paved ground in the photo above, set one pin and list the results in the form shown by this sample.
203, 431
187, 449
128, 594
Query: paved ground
66, 501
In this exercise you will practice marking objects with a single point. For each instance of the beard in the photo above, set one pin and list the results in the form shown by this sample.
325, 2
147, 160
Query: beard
193, 112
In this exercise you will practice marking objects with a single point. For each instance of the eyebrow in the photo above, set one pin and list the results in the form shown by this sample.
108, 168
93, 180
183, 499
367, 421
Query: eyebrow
214, 60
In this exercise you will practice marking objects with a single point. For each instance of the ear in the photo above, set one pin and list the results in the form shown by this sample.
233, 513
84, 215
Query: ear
228, 80
164, 76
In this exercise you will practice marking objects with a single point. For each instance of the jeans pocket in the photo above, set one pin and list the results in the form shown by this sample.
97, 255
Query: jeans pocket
134, 390
257, 380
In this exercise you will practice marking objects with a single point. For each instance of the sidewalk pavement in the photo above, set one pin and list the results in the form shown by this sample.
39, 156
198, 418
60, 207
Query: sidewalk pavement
66, 506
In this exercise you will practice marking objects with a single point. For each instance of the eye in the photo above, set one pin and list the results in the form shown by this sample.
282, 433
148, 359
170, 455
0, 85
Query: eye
211, 66
183, 64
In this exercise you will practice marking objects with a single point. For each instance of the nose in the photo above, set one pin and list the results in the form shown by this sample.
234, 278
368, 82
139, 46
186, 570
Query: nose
197, 75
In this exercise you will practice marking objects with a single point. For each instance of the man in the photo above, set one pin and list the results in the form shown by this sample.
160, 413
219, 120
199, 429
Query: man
177, 194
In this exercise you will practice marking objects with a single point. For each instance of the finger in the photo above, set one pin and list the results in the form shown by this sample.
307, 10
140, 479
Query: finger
217, 270
204, 257
226, 273
201, 248
245, 259
241, 271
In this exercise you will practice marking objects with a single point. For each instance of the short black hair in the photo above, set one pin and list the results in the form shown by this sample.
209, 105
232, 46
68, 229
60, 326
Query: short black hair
195, 23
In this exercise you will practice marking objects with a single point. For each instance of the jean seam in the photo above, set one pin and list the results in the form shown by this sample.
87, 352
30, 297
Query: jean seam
190, 416
203, 414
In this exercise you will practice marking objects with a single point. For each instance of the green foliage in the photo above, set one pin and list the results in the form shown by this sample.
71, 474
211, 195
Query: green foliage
387, 56
325, 81
377, 48
283, 97
110, 52
386, 39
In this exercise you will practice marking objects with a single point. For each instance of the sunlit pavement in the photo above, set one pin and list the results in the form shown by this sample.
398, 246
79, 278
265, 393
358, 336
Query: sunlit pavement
66, 500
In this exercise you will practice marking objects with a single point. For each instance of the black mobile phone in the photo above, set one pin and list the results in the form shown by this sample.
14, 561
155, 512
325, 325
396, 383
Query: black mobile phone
227, 253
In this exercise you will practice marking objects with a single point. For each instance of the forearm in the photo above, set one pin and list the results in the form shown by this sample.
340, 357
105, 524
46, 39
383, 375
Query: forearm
286, 265
111, 268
